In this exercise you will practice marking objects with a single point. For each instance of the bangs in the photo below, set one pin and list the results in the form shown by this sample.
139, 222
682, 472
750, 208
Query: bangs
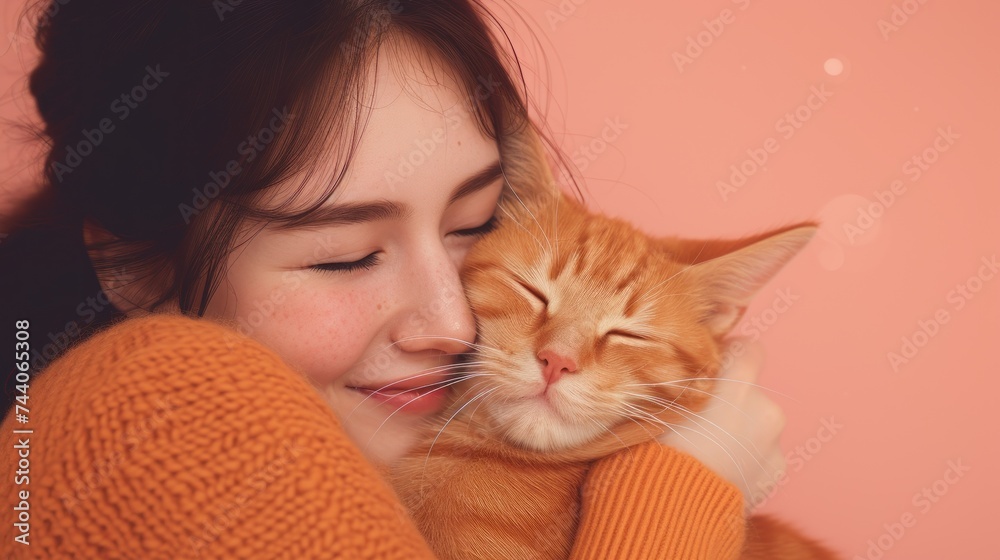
345, 102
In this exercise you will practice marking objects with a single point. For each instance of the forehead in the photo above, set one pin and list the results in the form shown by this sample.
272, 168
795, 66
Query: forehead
418, 130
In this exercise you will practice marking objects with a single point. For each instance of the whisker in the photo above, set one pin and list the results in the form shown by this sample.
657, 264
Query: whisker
632, 409
375, 433
689, 379
739, 467
526, 209
638, 424
605, 428
667, 424
437, 337
474, 409
441, 431
461, 377
555, 224
684, 410
513, 219
686, 267
701, 391
711, 437
656, 298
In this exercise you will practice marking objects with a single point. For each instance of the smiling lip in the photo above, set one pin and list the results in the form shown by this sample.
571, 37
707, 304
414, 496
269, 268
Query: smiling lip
409, 400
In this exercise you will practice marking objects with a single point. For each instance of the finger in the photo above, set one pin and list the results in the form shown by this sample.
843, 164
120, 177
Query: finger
742, 360
778, 462
775, 417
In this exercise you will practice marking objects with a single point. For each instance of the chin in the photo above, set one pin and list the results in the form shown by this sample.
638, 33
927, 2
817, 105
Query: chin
533, 424
390, 450
383, 442
381, 439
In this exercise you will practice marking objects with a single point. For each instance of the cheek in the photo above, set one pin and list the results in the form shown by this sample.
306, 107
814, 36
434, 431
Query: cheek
320, 332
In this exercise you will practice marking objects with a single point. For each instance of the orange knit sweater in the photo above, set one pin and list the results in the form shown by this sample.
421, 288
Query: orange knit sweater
172, 437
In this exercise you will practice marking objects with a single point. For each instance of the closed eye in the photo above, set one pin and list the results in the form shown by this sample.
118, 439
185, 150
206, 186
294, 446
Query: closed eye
626, 334
482, 230
345, 267
534, 291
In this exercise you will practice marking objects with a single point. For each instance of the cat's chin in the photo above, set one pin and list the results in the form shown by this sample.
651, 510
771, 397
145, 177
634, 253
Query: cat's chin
535, 425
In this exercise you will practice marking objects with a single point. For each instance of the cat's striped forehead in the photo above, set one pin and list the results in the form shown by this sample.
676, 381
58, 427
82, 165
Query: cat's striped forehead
603, 276
621, 260
598, 270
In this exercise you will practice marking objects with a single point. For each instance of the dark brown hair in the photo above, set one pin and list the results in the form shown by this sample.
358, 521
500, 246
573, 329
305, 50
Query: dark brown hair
166, 121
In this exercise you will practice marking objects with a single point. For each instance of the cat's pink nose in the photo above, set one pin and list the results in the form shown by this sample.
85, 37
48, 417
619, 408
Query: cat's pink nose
555, 365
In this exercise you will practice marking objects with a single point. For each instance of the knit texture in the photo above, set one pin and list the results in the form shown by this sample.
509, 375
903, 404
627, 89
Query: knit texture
656, 502
171, 437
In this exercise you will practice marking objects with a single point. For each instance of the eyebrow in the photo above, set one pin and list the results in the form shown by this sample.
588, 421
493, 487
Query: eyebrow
363, 212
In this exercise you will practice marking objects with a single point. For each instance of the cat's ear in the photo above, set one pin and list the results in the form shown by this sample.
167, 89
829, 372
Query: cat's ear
730, 272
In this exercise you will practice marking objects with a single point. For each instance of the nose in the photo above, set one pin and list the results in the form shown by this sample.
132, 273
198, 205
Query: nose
437, 315
555, 365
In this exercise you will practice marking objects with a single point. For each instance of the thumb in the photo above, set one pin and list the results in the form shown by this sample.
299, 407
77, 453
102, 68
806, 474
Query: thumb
742, 360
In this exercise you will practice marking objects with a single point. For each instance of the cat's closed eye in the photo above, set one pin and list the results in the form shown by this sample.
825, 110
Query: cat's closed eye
625, 334
534, 292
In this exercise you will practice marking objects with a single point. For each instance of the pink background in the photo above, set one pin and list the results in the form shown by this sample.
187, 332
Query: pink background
861, 291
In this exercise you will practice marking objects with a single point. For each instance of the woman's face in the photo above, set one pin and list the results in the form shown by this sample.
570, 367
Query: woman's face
371, 295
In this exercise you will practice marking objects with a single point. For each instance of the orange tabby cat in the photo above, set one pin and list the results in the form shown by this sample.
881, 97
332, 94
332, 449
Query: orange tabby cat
591, 337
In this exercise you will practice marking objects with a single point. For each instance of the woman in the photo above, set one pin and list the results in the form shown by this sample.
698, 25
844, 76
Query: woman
275, 200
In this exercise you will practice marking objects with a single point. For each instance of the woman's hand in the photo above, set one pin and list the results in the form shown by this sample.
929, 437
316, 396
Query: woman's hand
737, 434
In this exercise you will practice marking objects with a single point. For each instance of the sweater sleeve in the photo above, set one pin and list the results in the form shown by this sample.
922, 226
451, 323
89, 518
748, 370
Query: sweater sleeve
653, 501
172, 437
